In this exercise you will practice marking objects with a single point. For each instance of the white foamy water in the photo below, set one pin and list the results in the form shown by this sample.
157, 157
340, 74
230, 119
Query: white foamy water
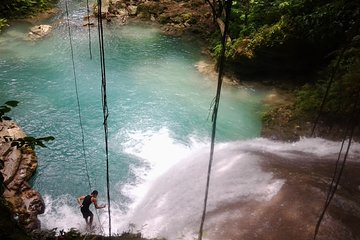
173, 203
167, 200
158, 129
61, 213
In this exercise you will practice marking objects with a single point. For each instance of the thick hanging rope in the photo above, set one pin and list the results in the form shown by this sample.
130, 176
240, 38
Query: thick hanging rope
79, 108
89, 27
77, 94
353, 122
351, 32
228, 4
104, 105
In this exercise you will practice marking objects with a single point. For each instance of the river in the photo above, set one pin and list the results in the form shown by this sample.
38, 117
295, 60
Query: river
159, 135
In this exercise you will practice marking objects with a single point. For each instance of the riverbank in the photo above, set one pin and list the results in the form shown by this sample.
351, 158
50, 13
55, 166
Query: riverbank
177, 18
194, 20
224, 164
280, 120
20, 204
19, 165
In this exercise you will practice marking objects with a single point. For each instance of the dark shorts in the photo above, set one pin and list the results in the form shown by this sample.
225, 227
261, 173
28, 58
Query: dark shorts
86, 213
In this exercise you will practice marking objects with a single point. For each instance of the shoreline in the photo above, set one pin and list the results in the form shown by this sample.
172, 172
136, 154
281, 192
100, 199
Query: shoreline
274, 99
20, 165
278, 122
278, 99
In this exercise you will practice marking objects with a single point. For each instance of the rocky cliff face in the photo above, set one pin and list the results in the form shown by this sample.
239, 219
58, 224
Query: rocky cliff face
176, 17
19, 165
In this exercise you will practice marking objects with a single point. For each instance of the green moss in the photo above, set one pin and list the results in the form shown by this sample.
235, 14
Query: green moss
23, 8
189, 18
164, 18
3, 23
343, 90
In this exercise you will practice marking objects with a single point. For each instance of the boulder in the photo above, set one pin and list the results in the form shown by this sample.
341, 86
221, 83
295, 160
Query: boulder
132, 9
39, 31
19, 165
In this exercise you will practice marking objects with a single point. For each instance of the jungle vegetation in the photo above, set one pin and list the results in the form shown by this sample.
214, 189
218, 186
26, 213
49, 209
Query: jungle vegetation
21, 8
313, 44
309, 43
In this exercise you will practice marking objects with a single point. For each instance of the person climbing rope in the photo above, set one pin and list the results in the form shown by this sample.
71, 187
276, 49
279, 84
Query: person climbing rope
85, 202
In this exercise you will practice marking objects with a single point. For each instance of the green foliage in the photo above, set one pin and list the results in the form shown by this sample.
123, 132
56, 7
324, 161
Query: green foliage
299, 38
344, 89
22, 8
28, 141
31, 142
20, 142
299, 33
7, 108
267, 36
308, 100
3, 23
270, 36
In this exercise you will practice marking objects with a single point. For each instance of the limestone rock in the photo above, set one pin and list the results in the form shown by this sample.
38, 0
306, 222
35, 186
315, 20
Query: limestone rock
39, 31
132, 9
19, 165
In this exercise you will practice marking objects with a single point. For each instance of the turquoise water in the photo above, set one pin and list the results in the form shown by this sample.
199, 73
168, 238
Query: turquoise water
158, 104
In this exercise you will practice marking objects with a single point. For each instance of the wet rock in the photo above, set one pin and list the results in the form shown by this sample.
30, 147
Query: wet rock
19, 165
39, 31
132, 10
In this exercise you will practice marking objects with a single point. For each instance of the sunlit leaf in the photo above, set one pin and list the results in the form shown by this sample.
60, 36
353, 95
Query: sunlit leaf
29, 139
40, 144
5, 109
49, 138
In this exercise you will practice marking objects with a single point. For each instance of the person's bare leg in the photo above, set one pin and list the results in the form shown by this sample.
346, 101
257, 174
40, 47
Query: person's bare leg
91, 220
87, 223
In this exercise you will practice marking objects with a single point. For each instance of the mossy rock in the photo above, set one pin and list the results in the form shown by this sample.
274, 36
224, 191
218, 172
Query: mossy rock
164, 18
177, 19
189, 18
196, 3
149, 8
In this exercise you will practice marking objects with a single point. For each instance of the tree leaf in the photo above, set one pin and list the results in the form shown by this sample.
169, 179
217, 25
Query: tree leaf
12, 103
39, 143
29, 139
48, 138
5, 109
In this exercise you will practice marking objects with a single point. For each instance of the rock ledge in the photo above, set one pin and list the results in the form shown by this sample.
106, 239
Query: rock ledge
19, 165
